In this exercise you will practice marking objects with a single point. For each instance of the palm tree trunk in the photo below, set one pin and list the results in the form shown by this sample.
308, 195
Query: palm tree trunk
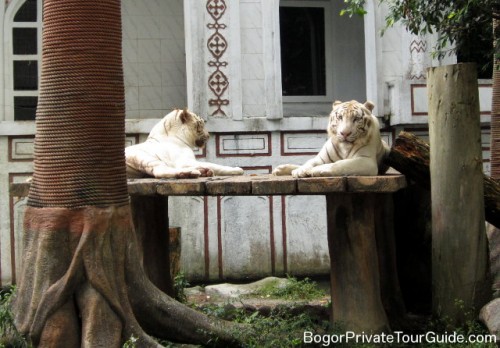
495, 113
493, 232
81, 282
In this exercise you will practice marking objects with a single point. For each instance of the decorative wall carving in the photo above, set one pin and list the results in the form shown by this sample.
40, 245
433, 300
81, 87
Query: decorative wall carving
418, 64
218, 82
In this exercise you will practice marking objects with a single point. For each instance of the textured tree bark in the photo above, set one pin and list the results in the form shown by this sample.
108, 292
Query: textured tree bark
490, 314
410, 156
495, 112
459, 245
494, 231
82, 283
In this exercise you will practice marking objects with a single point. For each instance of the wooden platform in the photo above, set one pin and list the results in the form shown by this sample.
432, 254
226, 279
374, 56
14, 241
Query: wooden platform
252, 185
364, 283
258, 185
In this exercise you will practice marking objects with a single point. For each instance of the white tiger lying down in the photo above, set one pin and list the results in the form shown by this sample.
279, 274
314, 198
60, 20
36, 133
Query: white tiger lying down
354, 146
168, 150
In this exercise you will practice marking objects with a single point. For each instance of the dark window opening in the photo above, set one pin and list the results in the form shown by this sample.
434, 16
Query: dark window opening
24, 40
25, 108
25, 75
303, 70
27, 12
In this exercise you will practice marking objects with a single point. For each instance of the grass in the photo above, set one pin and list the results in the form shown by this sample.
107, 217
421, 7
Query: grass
294, 290
9, 336
284, 329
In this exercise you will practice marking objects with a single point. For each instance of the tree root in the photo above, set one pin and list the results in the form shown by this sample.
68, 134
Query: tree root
82, 284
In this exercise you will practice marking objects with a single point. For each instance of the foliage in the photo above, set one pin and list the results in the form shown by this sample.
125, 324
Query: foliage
283, 327
130, 343
305, 289
471, 325
180, 283
462, 23
9, 336
280, 329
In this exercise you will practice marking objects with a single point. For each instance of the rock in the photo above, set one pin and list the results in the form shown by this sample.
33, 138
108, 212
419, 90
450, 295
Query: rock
237, 290
490, 316
234, 298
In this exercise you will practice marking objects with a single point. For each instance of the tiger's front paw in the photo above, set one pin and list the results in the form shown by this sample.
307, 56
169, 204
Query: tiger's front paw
236, 171
284, 169
301, 172
188, 174
205, 172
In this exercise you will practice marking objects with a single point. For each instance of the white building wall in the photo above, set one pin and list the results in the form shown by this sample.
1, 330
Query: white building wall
154, 62
167, 65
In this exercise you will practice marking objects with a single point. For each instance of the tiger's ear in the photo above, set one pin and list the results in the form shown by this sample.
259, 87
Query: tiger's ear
367, 121
369, 105
185, 116
336, 102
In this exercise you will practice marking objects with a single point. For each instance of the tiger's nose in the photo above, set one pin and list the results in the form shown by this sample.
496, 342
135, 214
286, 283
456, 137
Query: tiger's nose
345, 134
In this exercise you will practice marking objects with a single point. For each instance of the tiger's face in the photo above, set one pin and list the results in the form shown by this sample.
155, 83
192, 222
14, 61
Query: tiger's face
349, 121
196, 125
188, 127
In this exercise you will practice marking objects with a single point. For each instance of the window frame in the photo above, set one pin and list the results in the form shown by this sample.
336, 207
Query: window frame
9, 92
326, 5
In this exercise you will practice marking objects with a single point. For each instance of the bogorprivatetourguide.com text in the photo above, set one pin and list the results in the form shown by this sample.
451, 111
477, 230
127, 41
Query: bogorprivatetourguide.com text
396, 337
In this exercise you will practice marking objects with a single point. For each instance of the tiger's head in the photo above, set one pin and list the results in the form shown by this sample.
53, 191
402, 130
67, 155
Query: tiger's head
183, 124
350, 121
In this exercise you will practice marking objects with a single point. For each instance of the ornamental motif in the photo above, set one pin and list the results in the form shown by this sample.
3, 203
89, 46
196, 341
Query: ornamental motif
217, 46
418, 50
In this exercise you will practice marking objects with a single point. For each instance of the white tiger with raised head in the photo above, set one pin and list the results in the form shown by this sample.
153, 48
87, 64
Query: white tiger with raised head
354, 146
168, 150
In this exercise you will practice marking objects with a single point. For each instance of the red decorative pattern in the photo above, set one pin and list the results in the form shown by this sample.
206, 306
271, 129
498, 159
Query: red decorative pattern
418, 48
217, 46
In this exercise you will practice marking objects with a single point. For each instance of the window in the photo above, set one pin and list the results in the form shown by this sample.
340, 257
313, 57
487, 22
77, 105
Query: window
304, 33
23, 43
322, 56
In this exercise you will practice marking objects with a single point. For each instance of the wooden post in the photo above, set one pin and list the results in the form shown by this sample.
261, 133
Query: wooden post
354, 271
459, 245
390, 290
150, 215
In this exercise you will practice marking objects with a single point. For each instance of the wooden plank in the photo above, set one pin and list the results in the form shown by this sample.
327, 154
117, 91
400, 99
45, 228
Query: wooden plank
321, 185
142, 187
274, 185
381, 183
256, 185
181, 187
229, 186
